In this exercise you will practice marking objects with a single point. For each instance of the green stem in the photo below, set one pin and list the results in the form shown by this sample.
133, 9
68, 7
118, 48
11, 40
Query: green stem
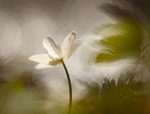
70, 87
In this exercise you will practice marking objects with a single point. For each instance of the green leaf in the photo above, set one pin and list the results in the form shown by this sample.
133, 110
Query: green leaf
106, 57
124, 39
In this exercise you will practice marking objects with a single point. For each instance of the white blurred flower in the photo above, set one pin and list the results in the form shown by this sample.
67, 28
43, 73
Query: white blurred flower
56, 54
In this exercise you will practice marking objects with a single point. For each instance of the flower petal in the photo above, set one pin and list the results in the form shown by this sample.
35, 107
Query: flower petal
76, 45
66, 46
40, 58
53, 49
43, 66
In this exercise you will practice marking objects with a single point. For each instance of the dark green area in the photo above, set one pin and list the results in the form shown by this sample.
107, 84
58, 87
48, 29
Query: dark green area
126, 96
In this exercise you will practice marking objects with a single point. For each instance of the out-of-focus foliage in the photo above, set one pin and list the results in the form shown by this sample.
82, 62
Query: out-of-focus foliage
120, 40
25, 95
123, 97
22, 95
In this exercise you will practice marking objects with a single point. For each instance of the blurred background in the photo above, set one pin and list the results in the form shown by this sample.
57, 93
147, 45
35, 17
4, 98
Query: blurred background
109, 71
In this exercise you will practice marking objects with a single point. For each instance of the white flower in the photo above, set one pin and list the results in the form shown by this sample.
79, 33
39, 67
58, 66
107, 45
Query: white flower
56, 54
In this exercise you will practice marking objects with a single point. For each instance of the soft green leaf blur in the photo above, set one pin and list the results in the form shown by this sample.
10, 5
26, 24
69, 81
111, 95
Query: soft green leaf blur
21, 95
123, 39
